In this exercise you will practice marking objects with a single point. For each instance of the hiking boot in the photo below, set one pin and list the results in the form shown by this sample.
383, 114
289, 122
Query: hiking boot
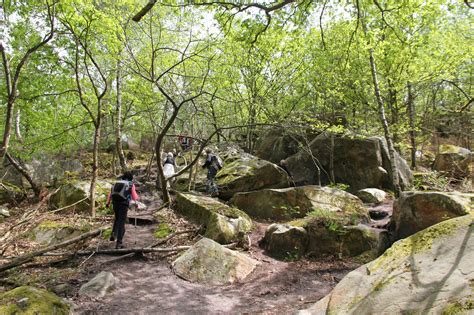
112, 238
119, 245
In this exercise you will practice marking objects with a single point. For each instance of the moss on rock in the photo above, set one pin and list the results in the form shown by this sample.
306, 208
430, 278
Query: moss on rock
37, 301
163, 230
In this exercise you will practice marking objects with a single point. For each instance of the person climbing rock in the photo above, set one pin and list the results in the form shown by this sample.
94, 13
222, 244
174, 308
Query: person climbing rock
213, 164
121, 193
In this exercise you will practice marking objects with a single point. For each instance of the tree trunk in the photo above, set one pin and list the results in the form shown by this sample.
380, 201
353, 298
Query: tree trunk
17, 126
411, 118
383, 120
118, 117
8, 126
95, 163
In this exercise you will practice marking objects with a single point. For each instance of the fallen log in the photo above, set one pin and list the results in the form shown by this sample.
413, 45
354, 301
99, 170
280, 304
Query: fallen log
20, 260
122, 251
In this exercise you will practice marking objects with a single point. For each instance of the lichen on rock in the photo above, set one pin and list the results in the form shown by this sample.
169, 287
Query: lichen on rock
35, 301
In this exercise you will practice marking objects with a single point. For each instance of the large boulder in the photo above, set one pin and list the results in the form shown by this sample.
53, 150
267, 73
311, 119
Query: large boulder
358, 162
49, 232
415, 211
77, 193
454, 161
285, 241
371, 195
31, 300
210, 263
49, 170
294, 202
430, 272
223, 224
99, 286
249, 173
277, 144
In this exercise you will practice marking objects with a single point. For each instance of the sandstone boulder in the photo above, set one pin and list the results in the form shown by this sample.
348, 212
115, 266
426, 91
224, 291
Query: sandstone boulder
31, 300
371, 195
430, 272
249, 173
454, 161
49, 232
210, 263
295, 202
286, 241
74, 192
358, 162
415, 211
99, 286
223, 224
277, 144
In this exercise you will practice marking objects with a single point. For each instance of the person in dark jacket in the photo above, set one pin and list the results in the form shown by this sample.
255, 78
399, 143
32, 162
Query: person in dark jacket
122, 192
213, 165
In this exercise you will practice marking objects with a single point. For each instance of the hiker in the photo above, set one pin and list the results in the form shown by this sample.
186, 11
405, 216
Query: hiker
121, 193
213, 164
169, 165
185, 142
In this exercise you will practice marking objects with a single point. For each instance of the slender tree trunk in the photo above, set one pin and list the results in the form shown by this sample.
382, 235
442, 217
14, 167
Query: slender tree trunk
383, 120
118, 115
331, 161
411, 118
95, 163
8, 126
17, 126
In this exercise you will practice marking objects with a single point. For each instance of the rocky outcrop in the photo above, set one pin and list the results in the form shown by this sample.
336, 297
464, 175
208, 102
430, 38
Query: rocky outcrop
31, 300
415, 211
285, 241
358, 162
74, 192
277, 144
249, 173
49, 232
430, 272
455, 161
99, 286
295, 202
210, 263
371, 195
223, 224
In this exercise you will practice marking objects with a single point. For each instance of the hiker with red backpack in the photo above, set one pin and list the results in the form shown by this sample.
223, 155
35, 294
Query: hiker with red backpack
121, 193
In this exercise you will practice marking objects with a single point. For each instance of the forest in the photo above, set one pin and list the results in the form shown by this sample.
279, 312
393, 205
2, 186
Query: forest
279, 156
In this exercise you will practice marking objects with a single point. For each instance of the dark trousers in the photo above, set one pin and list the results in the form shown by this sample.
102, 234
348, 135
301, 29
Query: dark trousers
120, 211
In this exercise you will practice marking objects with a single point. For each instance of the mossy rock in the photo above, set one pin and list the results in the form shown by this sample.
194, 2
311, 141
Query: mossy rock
75, 191
415, 211
285, 241
208, 262
37, 301
223, 224
249, 173
50, 232
430, 272
455, 161
296, 202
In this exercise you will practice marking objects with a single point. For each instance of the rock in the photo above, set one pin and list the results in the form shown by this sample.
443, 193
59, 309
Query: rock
285, 241
31, 300
371, 195
277, 144
4, 213
48, 170
331, 237
455, 161
76, 191
294, 202
249, 173
208, 262
405, 175
377, 214
223, 224
430, 272
100, 285
358, 162
61, 289
49, 232
415, 211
